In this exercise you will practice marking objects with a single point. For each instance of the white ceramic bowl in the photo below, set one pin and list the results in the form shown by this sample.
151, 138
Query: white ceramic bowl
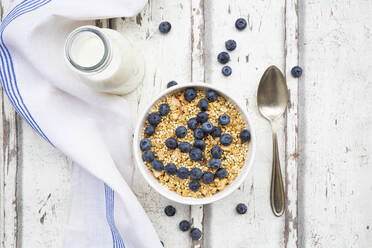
163, 190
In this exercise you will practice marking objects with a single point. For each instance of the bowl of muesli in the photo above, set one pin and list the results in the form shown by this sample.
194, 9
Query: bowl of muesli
194, 144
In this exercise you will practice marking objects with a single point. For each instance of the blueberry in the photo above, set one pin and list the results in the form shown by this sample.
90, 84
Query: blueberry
203, 104
192, 123
216, 152
207, 127
226, 139
154, 119
226, 70
241, 208
230, 45
190, 94
296, 71
196, 154
202, 117
183, 172
184, 225
145, 144
170, 210
171, 83
208, 177
194, 185
196, 173
198, 133
195, 234
181, 131
216, 132
199, 144
165, 27
224, 119
241, 24
221, 173
157, 165
148, 156
149, 130
171, 143
215, 163
162, 243
184, 146
211, 95
164, 109
245, 135
171, 169
223, 57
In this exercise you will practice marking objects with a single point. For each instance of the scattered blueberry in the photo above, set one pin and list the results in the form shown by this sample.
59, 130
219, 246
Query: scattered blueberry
296, 71
157, 165
171, 169
224, 119
245, 135
148, 156
171, 143
199, 144
184, 146
203, 104
207, 127
164, 109
195, 234
223, 57
226, 70
211, 95
241, 24
216, 132
196, 173
215, 163
194, 185
192, 123
165, 27
226, 139
202, 117
198, 133
241, 208
154, 119
145, 144
184, 225
171, 83
216, 152
230, 45
181, 131
190, 94
208, 177
183, 172
170, 210
149, 130
196, 154
221, 173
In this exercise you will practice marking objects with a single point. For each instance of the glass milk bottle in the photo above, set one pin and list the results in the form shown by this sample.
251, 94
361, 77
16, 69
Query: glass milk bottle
105, 59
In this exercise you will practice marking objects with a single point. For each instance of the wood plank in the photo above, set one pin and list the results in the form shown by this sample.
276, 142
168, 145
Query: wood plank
167, 58
336, 124
197, 75
9, 167
258, 46
291, 54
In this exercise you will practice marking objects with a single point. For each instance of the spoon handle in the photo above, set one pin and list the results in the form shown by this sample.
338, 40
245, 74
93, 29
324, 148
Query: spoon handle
277, 189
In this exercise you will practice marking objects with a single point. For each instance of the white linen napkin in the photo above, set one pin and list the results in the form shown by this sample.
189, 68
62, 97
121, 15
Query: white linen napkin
92, 129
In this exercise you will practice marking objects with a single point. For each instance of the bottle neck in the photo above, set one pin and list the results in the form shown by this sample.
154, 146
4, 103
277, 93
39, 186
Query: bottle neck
88, 49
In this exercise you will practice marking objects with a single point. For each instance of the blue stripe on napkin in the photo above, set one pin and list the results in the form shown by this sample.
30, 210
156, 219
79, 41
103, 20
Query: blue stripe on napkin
9, 84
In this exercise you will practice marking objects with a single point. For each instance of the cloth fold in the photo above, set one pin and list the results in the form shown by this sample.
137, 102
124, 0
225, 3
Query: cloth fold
92, 129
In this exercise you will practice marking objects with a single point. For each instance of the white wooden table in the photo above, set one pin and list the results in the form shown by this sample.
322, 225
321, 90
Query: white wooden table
326, 134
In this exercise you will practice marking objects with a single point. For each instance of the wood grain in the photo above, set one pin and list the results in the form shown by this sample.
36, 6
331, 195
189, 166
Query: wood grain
9, 167
291, 55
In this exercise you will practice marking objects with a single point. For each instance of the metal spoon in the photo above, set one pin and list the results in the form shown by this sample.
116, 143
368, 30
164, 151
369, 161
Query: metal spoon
272, 99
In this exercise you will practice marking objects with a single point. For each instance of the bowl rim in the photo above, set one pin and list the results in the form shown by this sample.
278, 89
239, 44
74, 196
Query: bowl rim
163, 190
